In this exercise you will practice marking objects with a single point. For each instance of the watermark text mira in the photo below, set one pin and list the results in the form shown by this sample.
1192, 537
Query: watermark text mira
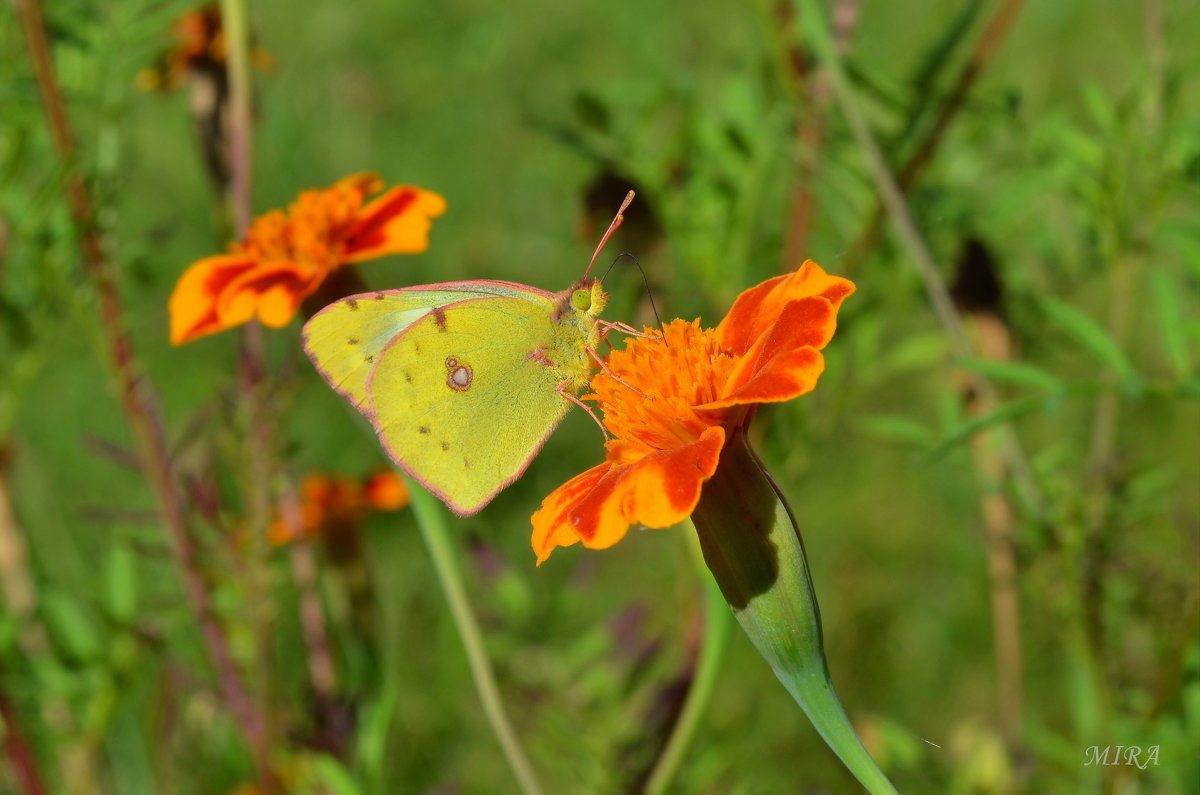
1121, 755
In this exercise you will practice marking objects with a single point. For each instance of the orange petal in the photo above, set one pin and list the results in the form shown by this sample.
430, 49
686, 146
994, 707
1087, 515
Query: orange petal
397, 222
784, 362
193, 304
758, 308
659, 490
364, 182
271, 290
786, 376
551, 524
277, 305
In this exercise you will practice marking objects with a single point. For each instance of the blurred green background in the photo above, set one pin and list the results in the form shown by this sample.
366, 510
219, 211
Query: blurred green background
1071, 173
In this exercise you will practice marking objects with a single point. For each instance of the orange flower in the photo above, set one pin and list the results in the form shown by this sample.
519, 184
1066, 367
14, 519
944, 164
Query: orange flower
286, 256
385, 491
329, 504
704, 384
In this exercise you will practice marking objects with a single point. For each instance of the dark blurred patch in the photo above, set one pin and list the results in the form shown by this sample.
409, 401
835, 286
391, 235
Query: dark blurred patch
334, 722
340, 283
591, 111
977, 287
640, 234
642, 228
486, 558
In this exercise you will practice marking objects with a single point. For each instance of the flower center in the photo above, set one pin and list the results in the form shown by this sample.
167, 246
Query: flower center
313, 232
681, 369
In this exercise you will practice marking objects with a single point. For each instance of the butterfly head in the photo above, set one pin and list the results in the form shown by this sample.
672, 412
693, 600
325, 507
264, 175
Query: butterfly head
589, 296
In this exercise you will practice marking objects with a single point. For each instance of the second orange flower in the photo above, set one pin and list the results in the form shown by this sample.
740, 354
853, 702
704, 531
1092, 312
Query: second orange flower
286, 256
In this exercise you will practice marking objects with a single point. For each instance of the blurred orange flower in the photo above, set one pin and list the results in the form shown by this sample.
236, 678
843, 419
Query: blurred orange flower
329, 504
198, 49
704, 383
286, 256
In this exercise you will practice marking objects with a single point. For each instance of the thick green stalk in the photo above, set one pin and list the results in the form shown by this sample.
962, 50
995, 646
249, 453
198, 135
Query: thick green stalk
753, 548
432, 521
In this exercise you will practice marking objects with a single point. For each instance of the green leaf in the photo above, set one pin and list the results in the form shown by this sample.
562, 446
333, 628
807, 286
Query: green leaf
70, 627
914, 353
333, 775
900, 429
372, 742
1100, 108
1165, 296
121, 581
1091, 335
970, 427
1018, 373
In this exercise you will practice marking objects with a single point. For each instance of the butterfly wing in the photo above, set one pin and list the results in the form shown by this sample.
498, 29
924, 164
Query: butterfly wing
346, 338
460, 379
466, 396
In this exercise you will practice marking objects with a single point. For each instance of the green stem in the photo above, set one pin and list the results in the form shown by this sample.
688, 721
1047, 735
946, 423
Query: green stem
237, 48
753, 548
431, 519
704, 679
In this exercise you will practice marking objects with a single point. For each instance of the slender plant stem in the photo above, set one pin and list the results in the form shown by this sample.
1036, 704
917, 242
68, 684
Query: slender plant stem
431, 519
717, 622
321, 671
812, 91
995, 343
21, 758
919, 253
259, 432
237, 64
134, 388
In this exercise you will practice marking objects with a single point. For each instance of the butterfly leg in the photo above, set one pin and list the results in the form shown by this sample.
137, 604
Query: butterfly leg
562, 390
613, 375
607, 326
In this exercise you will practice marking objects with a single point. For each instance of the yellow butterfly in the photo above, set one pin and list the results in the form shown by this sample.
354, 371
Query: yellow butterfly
463, 381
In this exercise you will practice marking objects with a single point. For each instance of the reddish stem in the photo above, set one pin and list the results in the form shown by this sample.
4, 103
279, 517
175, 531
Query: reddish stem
814, 92
136, 392
20, 756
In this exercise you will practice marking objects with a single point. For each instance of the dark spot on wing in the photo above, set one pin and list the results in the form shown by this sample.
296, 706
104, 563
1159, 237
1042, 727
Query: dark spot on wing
423, 429
352, 341
370, 357
445, 445
352, 303
460, 375
407, 377
466, 464
380, 296
439, 317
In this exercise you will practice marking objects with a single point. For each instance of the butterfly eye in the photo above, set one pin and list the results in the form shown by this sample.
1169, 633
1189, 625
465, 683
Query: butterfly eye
582, 300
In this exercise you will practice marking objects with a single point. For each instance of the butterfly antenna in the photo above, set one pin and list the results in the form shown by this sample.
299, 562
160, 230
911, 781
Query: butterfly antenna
645, 281
616, 222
